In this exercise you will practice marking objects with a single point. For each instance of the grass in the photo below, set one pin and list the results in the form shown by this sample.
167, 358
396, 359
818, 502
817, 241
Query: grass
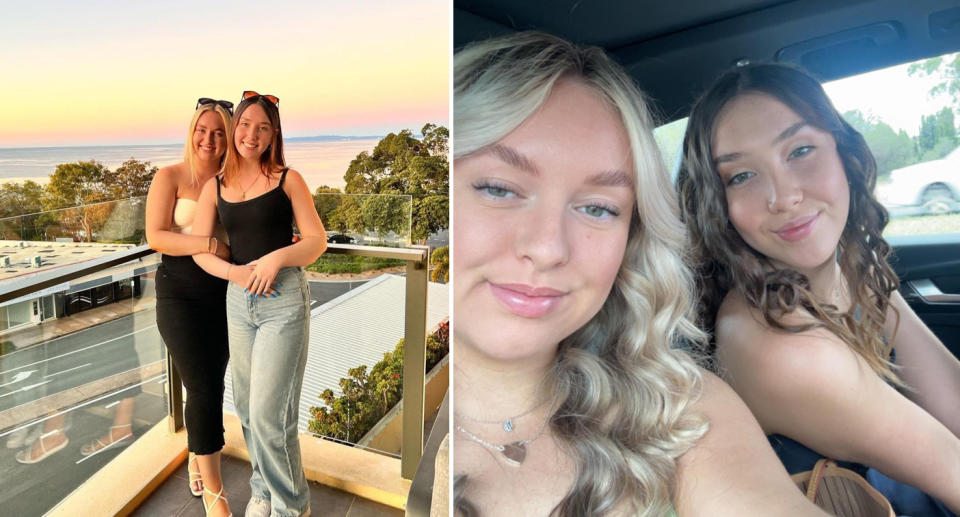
339, 264
924, 224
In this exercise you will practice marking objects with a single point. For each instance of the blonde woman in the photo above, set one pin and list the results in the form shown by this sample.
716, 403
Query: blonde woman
570, 296
191, 314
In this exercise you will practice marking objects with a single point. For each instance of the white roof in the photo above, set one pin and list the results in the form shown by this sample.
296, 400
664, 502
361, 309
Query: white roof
355, 328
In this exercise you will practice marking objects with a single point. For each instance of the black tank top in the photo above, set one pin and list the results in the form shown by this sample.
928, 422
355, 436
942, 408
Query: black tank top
257, 226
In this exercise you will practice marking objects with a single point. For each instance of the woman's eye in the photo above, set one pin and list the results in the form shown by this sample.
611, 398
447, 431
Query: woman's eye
800, 151
494, 191
599, 211
739, 178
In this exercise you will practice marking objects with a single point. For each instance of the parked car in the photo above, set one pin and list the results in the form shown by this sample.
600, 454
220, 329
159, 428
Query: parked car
931, 187
339, 238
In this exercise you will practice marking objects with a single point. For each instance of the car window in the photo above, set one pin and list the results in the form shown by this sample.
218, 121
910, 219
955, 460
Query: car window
909, 116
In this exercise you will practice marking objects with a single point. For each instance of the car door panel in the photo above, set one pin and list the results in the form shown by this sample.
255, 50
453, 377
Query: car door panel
927, 265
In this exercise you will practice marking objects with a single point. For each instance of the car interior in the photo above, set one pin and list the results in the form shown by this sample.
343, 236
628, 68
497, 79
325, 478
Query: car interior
675, 49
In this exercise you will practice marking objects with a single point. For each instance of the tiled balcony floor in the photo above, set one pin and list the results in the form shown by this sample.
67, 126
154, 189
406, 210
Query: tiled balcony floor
174, 499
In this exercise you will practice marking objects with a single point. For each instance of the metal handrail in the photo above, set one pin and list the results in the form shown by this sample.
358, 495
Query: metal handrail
415, 331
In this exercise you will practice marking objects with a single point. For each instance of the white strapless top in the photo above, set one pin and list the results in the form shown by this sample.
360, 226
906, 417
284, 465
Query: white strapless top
183, 213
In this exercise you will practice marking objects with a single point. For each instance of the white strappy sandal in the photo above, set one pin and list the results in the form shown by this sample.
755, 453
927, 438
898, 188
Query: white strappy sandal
98, 445
216, 497
194, 476
25, 456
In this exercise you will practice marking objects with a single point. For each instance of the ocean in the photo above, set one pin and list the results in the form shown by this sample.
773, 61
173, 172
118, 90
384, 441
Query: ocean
320, 162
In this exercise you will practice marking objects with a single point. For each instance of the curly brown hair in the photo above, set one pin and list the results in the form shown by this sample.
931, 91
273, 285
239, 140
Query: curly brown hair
727, 262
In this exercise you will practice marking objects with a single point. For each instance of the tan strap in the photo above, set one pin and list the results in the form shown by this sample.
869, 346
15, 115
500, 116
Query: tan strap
816, 475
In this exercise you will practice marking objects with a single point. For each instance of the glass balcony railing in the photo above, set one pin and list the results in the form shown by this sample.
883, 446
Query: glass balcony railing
84, 373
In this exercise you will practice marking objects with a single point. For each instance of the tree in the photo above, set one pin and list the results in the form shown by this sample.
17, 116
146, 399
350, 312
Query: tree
75, 184
16, 200
938, 135
348, 215
891, 149
131, 179
326, 199
386, 213
947, 70
20, 198
440, 259
366, 398
403, 164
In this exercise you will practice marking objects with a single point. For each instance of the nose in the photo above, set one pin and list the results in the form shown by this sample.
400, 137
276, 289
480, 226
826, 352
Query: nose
543, 238
785, 192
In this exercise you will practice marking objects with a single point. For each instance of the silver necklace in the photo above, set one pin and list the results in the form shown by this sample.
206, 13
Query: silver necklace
243, 191
514, 452
507, 424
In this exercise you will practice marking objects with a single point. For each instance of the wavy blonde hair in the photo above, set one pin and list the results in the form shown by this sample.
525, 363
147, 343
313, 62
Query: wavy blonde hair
189, 152
729, 264
625, 390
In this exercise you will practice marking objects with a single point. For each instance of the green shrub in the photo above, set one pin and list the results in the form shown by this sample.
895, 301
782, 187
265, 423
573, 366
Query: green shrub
367, 397
337, 264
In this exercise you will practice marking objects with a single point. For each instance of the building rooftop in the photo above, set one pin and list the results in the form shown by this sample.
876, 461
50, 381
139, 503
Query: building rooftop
17, 258
355, 328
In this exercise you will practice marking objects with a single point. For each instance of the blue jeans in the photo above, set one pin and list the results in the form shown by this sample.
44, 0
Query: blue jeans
268, 353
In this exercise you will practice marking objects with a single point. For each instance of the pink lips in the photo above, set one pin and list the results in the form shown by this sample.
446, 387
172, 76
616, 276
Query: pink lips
797, 229
527, 301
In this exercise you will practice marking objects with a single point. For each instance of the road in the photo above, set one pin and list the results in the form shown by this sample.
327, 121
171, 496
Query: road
76, 359
70, 361
100, 352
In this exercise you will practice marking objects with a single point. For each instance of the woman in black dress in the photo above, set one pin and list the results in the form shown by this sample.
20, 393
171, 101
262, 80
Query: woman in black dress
191, 314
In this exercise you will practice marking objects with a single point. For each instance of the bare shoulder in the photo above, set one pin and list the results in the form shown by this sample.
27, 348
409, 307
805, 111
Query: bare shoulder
294, 179
748, 345
732, 468
208, 193
174, 174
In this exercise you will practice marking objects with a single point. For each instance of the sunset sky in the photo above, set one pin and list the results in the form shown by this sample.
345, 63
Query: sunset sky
122, 72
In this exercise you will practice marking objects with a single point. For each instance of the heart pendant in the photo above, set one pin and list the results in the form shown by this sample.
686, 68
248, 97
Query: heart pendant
514, 453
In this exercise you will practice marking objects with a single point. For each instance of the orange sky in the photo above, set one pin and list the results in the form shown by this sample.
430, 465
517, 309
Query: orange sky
108, 72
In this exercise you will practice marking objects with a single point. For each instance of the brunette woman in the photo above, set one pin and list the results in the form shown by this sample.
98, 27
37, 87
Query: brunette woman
777, 191
258, 199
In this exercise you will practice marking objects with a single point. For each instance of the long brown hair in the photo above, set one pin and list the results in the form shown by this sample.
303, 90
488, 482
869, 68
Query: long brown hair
728, 263
272, 158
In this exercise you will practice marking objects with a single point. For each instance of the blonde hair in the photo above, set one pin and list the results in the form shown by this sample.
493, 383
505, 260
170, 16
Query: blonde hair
624, 388
189, 152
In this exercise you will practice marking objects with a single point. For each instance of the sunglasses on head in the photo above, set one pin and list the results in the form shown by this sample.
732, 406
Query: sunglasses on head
203, 101
250, 94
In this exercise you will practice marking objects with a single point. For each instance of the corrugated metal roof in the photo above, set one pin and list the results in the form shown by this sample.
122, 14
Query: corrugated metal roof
355, 328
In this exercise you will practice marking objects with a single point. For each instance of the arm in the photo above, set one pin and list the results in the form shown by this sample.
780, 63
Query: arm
203, 223
161, 199
927, 366
811, 387
304, 252
732, 470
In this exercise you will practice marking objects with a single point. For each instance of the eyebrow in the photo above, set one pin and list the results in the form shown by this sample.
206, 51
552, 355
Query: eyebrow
512, 157
248, 119
785, 134
613, 178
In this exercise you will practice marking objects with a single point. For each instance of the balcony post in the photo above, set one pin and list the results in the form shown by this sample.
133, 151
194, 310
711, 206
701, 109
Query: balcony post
414, 364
